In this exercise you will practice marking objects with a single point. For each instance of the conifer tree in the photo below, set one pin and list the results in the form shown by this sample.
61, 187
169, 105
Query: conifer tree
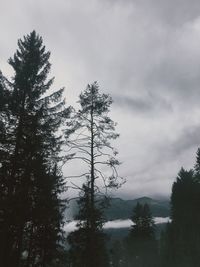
183, 235
143, 222
33, 176
5, 146
141, 244
82, 252
88, 137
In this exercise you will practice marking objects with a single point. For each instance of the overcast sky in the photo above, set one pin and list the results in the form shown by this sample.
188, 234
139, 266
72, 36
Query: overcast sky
145, 54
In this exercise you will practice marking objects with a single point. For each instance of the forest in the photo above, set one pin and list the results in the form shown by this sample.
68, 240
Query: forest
39, 134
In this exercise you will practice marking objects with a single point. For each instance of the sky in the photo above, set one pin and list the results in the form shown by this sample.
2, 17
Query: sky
145, 54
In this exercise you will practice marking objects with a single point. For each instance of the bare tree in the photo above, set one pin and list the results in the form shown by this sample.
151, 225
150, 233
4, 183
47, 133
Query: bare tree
88, 138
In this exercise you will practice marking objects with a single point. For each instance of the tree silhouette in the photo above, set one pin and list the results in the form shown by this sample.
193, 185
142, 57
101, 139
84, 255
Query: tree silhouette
118, 254
185, 222
31, 172
182, 238
141, 244
88, 137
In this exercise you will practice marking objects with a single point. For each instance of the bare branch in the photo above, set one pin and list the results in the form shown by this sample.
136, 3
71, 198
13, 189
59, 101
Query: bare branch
76, 176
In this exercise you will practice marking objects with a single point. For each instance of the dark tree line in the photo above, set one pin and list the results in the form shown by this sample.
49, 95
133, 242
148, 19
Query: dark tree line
31, 180
140, 247
141, 243
32, 183
179, 244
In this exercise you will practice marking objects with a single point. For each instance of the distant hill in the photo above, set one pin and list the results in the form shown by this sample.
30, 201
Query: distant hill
122, 209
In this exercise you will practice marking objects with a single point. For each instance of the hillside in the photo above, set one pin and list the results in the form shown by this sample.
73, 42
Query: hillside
122, 209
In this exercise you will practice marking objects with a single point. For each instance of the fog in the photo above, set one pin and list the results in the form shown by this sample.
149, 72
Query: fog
115, 224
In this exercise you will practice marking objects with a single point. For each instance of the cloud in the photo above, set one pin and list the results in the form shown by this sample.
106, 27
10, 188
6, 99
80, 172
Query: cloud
149, 103
115, 224
189, 138
145, 54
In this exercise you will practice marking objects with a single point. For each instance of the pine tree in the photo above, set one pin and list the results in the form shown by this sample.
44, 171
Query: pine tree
32, 172
143, 226
141, 243
183, 235
88, 137
5, 145
83, 252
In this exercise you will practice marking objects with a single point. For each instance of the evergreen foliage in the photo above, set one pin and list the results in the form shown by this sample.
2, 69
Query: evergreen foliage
118, 254
141, 245
87, 246
31, 179
182, 237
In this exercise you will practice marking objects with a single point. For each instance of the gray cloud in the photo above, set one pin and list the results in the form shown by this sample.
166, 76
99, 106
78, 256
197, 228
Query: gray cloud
158, 170
144, 53
189, 138
149, 103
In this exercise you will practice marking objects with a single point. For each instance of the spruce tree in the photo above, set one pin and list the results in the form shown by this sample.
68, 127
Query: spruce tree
141, 244
183, 235
5, 147
143, 222
32, 172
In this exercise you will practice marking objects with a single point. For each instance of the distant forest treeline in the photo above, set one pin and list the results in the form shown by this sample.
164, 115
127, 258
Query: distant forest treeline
120, 209
38, 135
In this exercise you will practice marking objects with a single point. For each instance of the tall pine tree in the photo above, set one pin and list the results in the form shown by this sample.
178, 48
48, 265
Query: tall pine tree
33, 176
88, 136
182, 238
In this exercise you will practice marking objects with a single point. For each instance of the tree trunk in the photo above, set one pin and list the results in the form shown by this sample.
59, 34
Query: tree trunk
92, 208
28, 261
19, 247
